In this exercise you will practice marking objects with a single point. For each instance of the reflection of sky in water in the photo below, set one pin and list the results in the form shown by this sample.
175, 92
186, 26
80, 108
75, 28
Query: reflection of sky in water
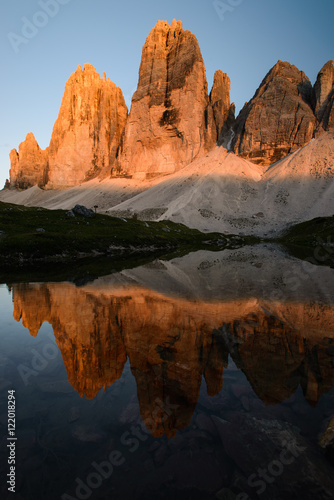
224, 434
6, 312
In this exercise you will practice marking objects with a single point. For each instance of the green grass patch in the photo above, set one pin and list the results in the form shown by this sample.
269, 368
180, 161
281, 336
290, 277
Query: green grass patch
65, 239
311, 240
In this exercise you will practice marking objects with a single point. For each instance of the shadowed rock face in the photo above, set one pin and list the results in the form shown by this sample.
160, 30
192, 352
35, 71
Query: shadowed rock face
279, 118
172, 343
223, 110
84, 140
29, 166
277, 359
323, 86
171, 120
324, 97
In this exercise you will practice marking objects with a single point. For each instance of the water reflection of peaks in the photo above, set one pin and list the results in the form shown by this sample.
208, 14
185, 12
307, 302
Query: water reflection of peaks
172, 342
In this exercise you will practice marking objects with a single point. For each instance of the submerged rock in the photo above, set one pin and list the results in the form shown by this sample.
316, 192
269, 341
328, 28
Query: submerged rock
275, 459
74, 414
327, 440
87, 434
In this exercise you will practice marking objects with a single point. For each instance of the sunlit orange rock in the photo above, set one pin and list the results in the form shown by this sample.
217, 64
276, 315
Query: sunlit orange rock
85, 136
87, 132
172, 343
171, 121
91, 346
29, 166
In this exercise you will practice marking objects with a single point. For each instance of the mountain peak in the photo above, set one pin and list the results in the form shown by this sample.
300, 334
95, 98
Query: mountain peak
176, 26
30, 138
323, 93
29, 164
279, 118
171, 121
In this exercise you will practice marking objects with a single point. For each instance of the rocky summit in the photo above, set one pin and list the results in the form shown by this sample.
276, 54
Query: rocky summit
28, 166
285, 113
87, 131
223, 110
324, 97
84, 139
171, 121
279, 118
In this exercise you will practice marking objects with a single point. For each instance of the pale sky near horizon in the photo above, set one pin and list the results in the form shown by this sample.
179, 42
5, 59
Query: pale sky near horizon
245, 41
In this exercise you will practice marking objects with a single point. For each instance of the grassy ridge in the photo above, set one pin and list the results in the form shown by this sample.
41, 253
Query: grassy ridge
75, 240
66, 238
312, 240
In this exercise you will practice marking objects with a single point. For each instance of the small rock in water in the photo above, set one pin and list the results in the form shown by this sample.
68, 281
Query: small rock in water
245, 403
205, 423
327, 439
74, 414
87, 434
40, 230
129, 414
226, 494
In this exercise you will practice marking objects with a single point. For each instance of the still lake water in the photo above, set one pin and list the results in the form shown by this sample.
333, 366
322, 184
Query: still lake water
206, 377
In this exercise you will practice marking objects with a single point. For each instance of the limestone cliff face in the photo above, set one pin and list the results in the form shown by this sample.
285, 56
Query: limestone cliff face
279, 118
100, 330
324, 97
29, 166
223, 111
91, 346
85, 137
87, 131
172, 343
170, 348
171, 120
276, 357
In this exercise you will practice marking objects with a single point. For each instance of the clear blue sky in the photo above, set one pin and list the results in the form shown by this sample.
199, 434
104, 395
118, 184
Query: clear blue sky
245, 42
